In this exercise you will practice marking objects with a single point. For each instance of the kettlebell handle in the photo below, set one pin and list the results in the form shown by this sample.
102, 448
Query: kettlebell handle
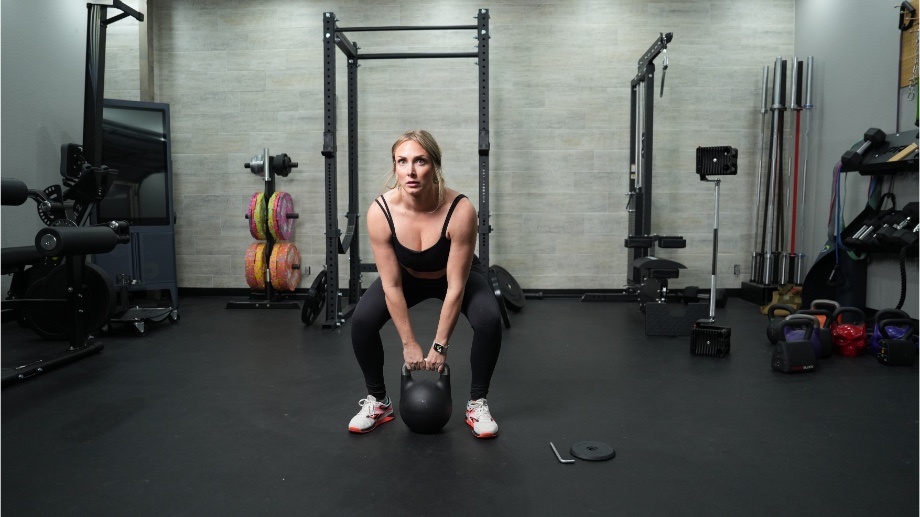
406, 372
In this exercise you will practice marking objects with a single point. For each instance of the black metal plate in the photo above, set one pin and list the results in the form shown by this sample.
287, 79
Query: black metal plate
511, 291
497, 289
316, 299
592, 451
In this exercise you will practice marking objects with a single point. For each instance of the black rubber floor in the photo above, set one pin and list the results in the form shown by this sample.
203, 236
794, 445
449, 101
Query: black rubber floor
244, 412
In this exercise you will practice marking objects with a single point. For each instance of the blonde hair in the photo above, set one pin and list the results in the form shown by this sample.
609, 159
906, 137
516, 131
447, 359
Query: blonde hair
430, 145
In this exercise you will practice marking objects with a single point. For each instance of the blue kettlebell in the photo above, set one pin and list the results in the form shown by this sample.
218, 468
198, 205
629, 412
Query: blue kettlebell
425, 406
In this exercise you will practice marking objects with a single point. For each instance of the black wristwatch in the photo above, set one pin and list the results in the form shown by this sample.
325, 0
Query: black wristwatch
439, 348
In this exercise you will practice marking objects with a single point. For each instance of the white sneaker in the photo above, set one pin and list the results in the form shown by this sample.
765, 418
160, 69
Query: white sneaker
479, 418
372, 414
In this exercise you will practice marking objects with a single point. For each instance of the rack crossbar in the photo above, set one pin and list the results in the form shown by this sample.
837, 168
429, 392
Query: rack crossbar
417, 55
407, 28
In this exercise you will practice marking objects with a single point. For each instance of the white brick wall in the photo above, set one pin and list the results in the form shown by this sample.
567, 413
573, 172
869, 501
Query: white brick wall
241, 76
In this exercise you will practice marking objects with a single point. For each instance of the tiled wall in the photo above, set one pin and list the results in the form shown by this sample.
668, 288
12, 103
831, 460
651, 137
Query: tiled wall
241, 76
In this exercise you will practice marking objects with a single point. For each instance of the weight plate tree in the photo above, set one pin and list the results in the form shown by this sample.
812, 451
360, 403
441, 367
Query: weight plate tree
272, 266
337, 244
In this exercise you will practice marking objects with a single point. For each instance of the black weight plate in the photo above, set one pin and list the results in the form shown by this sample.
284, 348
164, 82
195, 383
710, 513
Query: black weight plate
592, 451
39, 315
316, 299
497, 289
511, 291
98, 297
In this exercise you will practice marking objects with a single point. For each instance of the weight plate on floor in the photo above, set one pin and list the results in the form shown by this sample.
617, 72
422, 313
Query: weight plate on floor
280, 210
257, 216
511, 291
284, 266
592, 451
255, 266
316, 298
497, 289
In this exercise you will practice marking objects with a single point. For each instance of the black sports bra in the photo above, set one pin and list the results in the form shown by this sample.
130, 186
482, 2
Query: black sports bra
425, 261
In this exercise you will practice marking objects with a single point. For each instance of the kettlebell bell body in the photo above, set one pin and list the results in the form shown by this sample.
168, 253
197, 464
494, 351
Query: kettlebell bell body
897, 348
876, 338
798, 354
822, 330
848, 330
798, 332
425, 406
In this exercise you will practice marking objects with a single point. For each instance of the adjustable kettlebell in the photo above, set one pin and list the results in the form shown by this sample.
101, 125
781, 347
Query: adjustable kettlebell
797, 354
798, 332
774, 323
848, 331
822, 330
885, 314
896, 347
425, 406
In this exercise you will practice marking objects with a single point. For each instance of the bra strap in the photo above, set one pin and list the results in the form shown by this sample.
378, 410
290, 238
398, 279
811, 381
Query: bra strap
450, 212
386, 212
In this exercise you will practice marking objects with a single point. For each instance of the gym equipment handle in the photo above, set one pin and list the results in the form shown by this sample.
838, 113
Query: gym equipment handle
14, 192
65, 240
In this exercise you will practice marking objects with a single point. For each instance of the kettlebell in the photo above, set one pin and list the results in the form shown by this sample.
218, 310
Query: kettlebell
795, 353
792, 333
848, 331
824, 305
897, 348
822, 330
880, 316
425, 406
775, 323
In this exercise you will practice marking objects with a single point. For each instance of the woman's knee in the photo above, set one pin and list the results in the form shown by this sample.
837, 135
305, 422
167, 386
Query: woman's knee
486, 320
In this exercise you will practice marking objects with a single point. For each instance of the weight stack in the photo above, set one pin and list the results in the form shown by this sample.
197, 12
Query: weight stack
710, 340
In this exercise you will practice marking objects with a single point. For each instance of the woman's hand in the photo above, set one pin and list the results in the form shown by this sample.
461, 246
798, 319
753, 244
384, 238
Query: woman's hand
435, 360
414, 357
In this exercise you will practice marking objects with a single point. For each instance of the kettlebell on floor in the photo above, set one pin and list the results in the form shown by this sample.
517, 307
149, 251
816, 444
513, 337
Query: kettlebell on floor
425, 406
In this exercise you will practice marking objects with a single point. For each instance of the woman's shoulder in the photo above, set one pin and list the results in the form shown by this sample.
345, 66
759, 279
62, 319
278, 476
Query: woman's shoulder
451, 196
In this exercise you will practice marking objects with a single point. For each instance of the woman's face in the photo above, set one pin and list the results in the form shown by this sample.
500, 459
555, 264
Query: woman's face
414, 169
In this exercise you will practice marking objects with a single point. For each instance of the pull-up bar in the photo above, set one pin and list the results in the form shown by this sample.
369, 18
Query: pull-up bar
351, 50
418, 55
408, 28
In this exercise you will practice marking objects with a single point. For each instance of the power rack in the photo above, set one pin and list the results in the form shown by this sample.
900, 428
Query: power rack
336, 243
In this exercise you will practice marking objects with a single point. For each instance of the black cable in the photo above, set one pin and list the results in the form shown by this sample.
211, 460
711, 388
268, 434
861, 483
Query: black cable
902, 264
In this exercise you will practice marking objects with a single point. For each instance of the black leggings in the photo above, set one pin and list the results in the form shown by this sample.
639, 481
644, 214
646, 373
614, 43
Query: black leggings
479, 306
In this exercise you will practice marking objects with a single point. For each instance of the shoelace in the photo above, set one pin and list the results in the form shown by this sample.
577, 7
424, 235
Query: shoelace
480, 411
370, 408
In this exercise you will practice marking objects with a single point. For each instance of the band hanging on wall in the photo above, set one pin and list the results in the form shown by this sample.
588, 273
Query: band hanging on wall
337, 243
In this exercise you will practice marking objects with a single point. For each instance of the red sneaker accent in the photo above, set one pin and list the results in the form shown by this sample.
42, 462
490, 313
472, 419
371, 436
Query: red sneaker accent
376, 424
471, 423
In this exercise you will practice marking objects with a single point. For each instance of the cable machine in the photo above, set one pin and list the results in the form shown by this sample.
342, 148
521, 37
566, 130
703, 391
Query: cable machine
641, 118
336, 243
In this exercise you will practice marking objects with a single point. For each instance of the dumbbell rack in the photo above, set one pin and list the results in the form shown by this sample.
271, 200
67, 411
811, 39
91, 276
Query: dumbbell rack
273, 299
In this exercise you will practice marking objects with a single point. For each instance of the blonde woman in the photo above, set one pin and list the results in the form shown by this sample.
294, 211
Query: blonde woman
423, 235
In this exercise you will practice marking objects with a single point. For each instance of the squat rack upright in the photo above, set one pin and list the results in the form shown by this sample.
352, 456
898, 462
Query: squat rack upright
336, 243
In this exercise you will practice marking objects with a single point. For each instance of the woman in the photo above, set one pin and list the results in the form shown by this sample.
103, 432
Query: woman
423, 235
